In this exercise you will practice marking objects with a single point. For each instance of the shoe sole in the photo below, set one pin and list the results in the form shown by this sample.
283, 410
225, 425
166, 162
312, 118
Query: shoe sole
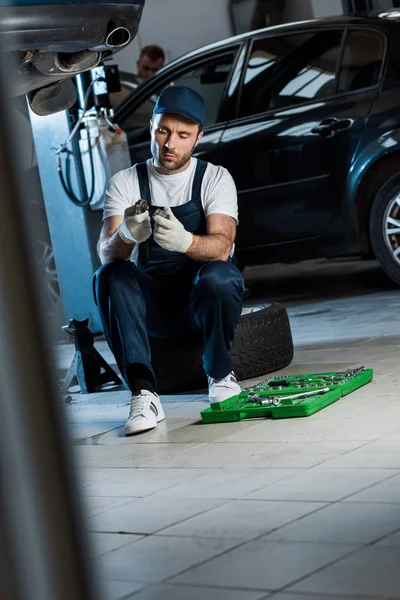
135, 431
160, 417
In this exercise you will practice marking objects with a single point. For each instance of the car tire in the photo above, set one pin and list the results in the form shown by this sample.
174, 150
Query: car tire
263, 343
385, 246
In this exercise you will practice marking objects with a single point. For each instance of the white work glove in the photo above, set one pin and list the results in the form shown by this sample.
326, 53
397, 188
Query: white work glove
170, 234
135, 228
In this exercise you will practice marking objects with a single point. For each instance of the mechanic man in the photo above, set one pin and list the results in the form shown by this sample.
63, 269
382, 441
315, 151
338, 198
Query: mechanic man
151, 59
162, 275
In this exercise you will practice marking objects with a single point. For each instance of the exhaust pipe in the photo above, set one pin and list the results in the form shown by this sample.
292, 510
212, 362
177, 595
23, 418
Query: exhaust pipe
117, 36
120, 36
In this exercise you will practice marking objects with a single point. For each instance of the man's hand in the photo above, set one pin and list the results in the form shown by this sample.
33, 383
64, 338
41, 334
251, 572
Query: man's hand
170, 234
135, 228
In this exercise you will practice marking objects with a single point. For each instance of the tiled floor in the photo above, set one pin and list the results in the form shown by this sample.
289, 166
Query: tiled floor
298, 509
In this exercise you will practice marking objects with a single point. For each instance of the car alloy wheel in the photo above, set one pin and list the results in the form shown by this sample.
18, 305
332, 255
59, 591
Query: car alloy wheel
391, 227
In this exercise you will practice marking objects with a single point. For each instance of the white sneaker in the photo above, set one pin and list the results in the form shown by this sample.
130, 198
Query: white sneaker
222, 389
146, 411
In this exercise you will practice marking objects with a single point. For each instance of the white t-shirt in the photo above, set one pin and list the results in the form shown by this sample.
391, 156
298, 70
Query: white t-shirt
218, 191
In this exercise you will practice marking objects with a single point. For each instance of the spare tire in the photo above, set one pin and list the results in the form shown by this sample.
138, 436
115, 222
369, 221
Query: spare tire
263, 343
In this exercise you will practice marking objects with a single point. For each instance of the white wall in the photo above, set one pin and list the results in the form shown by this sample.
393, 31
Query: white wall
327, 8
178, 26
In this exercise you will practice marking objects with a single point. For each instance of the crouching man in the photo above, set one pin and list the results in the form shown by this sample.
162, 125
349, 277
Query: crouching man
162, 274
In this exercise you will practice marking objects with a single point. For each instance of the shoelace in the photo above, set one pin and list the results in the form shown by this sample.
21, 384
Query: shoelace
139, 406
228, 379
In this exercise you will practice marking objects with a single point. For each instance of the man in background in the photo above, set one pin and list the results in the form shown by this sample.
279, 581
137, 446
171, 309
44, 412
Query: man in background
151, 59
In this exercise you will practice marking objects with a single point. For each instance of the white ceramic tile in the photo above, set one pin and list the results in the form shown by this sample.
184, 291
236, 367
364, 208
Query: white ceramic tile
185, 592
102, 543
95, 505
372, 455
385, 491
118, 590
219, 455
372, 571
317, 427
391, 540
242, 520
294, 596
262, 565
87, 455
160, 434
137, 483
81, 431
226, 483
92, 476
147, 515
154, 559
342, 523
135, 455
321, 485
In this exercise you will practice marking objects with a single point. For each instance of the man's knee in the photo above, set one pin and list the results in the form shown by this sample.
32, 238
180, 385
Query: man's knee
219, 277
113, 270
110, 274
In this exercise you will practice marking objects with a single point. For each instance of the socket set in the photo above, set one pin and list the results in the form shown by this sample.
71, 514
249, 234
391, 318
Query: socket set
288, 396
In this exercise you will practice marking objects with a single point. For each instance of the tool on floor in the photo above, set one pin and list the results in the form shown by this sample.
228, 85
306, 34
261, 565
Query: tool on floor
280, 397
276, 401
88, 367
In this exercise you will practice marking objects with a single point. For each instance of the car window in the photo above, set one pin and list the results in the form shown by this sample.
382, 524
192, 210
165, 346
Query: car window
290, 69
208, 78
362, 60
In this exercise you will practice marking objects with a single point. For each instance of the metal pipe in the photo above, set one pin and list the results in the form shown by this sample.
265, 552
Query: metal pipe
42, 542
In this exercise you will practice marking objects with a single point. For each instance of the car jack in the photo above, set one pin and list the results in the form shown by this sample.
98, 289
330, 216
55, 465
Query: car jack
88, 367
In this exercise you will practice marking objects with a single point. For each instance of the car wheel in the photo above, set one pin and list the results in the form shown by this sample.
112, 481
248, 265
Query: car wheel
384, 227
263, 343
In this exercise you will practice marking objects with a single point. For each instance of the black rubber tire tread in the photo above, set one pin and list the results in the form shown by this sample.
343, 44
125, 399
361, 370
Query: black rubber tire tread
263, 343
382, 254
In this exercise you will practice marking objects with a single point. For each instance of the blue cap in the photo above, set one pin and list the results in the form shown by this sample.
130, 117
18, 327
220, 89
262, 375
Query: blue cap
181, 100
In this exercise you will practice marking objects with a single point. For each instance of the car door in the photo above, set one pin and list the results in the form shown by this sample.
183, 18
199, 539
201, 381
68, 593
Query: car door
304, 101
208, 74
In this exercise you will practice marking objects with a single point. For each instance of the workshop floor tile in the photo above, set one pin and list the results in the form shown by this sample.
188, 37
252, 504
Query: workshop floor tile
292, 509
263, 565
372, 571
321, 485
385, 491
157, 558
135, 455
294, 596
226, 483
95, 505
185, 592
385, 455
221, 455
118, 590
242, 520
138, 483
103, 543
148, 515
342, 523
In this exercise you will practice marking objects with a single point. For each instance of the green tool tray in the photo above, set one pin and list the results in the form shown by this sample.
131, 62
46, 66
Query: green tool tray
337, 384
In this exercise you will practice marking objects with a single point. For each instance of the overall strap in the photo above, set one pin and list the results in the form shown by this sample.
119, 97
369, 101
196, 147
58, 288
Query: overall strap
141, 170
198, 179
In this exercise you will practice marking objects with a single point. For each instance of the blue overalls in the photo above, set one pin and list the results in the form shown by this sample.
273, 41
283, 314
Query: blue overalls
168, 292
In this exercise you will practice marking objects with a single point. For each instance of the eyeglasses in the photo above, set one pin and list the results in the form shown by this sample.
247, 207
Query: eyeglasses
146, 68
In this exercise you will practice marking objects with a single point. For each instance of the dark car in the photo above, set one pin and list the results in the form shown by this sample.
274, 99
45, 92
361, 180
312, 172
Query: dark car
47, 42
306, 117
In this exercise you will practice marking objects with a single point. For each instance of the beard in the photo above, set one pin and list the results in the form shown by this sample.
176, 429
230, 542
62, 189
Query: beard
171, 165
